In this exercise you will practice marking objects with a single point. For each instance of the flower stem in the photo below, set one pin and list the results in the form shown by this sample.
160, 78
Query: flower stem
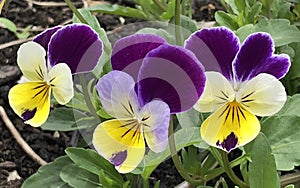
218, 171
176, 160
229, 171
87, 97
76, 12
177, 23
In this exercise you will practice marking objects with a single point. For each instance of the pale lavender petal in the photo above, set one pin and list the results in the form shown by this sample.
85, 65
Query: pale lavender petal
172, 74
128, 52
256, 56
155, 118
77, 45
215, 48
44, 38
117, 95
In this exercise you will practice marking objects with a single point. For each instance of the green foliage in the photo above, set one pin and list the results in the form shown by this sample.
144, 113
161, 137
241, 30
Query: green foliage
80, 168
48, 175
281, 30
183, 137
77, 177
91, 161
190, 118
146, 10
262, 168
67, 119
11, 26
283, 133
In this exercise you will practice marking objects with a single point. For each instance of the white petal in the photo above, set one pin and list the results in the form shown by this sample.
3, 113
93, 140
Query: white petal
217, 92
61, 83
264, 95
155, 117
117, 95
32, 62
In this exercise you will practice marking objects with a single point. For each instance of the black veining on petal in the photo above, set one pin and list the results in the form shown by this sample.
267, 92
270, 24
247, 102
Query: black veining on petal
28, 114
229, 142
118, 158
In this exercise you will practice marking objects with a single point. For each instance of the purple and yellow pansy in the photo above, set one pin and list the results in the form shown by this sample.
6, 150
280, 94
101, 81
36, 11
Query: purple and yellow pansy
151, 80
242, 83
71, 49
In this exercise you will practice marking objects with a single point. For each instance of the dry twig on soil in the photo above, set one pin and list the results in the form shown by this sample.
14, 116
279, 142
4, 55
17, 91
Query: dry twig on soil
19, 138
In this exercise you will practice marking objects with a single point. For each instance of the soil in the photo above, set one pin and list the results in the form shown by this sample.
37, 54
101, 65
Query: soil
45, 143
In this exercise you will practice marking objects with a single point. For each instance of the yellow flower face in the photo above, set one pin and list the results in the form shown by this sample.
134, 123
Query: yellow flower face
233, 122
31, 100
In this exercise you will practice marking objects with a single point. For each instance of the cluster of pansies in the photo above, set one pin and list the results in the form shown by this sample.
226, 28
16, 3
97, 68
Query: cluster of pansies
151, 80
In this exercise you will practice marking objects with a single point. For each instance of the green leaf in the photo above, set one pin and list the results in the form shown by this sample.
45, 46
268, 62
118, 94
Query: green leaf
227, 20
184, 137
157, 184
48, 175
262, 168
90, 160
78, 102
189, 119
77, 177
240, 5
170, 11
283, 133
63, 119
160, 32
254, 12
118, 10
290, 108
11, 26
281, 31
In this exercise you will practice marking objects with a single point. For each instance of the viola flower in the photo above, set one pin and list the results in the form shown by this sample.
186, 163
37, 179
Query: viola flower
72, 49
142, 96
31, 100
242, 83
77, 45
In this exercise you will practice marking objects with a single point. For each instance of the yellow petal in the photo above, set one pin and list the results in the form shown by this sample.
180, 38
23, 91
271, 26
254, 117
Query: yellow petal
264, 95
31, 101
121, 143
32, 62
1, 5
229, 127
217, 92
61, 82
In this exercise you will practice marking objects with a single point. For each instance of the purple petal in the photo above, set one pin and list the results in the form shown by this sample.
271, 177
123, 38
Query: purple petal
215, 48
117, 96
172, 74
255, 57
77, 45
44, 38
129, 52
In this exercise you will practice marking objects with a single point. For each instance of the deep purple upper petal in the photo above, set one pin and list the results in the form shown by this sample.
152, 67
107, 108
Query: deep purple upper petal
172, 74
77, 45
44, 38
256, 56
128, 52
216, 49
